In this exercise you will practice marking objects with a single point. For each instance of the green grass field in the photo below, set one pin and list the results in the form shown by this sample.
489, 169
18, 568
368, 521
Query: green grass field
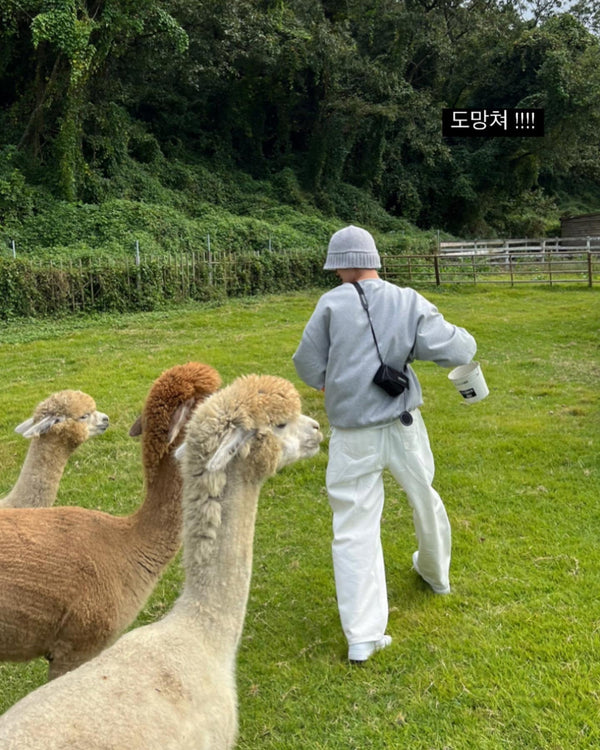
512, 658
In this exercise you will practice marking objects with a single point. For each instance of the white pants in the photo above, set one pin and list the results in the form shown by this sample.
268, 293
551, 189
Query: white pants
357, 458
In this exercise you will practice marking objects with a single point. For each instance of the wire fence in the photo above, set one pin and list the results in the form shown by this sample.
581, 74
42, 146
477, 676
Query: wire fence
41, 288
48, 287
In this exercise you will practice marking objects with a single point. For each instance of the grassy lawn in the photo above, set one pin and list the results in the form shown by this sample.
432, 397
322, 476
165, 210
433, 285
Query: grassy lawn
512, 658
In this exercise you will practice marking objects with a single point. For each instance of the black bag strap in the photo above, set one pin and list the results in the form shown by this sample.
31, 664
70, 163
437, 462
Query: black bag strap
364, 303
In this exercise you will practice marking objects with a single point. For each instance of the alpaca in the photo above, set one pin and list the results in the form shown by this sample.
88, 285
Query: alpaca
171, 685
72, 579
59, 425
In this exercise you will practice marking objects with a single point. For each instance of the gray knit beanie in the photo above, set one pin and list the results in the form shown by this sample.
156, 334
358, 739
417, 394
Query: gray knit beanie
352, 247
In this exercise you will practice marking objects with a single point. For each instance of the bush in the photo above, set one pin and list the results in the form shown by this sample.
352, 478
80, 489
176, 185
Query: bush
29, 289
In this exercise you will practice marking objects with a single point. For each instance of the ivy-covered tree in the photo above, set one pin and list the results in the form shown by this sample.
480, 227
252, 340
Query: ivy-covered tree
54, 59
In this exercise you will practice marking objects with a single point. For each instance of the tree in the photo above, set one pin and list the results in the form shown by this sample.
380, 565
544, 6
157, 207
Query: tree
55, 55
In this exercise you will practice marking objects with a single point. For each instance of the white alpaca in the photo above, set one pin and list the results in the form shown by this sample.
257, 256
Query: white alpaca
59, 425
71, 579
171, 685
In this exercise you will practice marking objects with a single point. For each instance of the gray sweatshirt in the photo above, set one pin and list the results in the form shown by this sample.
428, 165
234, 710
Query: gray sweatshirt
337, 351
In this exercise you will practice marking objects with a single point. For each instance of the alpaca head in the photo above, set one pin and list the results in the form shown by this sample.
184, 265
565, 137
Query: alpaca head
172, 398
256, 420
69, 416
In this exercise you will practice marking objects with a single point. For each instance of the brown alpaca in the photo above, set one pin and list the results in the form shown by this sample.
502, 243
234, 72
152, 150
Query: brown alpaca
71, 579
59, 425
171, 685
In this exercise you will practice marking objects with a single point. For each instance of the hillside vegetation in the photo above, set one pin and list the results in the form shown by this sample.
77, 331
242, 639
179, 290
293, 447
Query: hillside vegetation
264, 121
179, 208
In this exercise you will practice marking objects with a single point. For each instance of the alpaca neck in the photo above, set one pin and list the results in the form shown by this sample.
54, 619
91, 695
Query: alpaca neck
156, 525
40, 475
218, 570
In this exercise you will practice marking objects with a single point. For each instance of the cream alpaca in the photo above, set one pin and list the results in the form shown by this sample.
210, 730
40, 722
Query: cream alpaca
59, 425
71, 579
171, 685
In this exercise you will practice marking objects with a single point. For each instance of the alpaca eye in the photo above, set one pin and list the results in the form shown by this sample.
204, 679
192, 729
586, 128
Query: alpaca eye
84, 417
282, 425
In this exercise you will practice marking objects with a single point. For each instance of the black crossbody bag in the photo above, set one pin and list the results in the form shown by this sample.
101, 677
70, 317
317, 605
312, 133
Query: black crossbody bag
391, 380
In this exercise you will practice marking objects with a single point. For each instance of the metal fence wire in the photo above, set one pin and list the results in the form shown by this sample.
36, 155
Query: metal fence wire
40, 288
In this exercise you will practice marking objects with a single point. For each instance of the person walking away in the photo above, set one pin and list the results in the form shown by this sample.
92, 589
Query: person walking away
372, 430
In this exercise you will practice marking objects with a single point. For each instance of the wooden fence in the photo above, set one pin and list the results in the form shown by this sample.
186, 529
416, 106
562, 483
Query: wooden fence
43, 288
523, 267
505, 247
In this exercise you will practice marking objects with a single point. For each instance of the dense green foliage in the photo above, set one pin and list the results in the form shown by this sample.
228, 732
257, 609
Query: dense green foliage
332, 108
30, 289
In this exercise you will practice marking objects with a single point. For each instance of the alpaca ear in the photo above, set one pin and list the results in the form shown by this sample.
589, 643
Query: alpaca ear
229, 447
30, 429
136, 428
180, 418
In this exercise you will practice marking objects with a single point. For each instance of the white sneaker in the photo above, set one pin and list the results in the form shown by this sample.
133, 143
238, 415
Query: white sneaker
360, 652
435, 586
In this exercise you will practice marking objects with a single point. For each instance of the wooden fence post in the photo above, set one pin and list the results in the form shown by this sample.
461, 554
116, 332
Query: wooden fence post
436, 268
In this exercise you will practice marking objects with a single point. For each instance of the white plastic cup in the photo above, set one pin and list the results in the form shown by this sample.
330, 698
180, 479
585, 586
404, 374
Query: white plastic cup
469, 382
